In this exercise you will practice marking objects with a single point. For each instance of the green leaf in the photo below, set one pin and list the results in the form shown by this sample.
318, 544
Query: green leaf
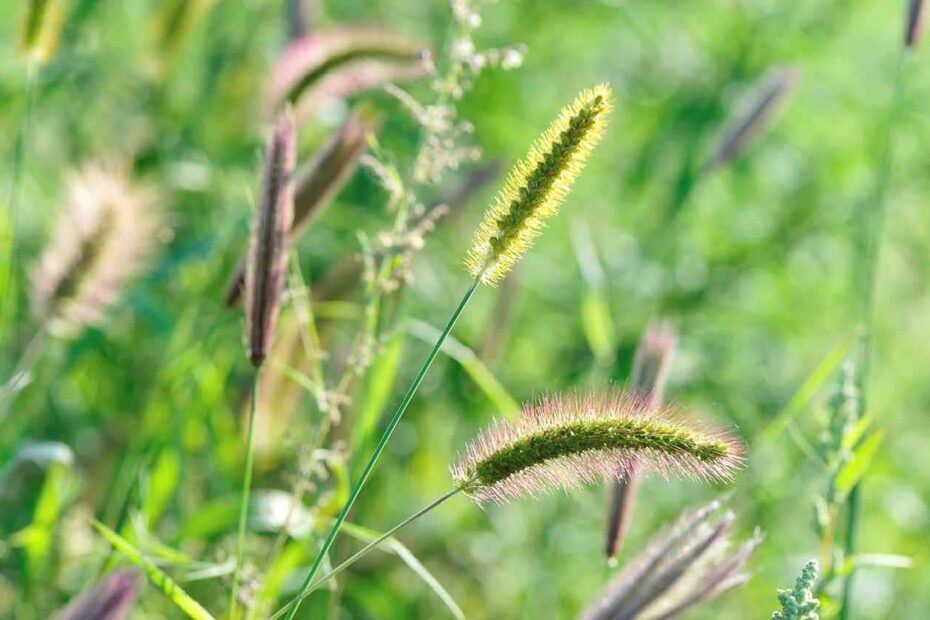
853, 471
597, 324
381, 378
596, 319
162, 483
38, 537
472, 365
874, 560
162, 581
399, 549
806, 392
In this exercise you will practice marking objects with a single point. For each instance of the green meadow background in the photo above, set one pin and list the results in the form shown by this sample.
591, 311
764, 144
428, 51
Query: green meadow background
752, 266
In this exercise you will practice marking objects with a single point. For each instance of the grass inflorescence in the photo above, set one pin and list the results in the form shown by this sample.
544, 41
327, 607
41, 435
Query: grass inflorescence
264, 280
537, 185
570, 439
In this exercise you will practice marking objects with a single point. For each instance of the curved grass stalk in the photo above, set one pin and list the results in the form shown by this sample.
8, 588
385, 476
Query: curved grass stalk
371, 546
294, 605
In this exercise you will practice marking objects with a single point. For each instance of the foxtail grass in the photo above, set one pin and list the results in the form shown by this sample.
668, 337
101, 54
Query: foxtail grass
111, 599
687, 565
566, 440
42, 29
101, 241
267, 263
557, 159
755, 116
537, 185
264, 285
914, 23
318, 183
335, 63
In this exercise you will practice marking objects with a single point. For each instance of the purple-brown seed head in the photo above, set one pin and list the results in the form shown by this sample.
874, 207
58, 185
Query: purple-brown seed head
264, 282
914, 23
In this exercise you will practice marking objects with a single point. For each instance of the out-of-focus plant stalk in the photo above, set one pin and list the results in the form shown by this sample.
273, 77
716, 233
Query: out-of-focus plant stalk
869, 219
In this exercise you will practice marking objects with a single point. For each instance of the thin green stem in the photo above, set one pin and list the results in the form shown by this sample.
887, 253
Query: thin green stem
374, 544
8, 270
385, 437
246, 492
21, 370
868, 250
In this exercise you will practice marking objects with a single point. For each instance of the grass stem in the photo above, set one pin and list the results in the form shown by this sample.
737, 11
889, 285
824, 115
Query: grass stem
8, 266
870, 218
246, 492
372, 545
385, 437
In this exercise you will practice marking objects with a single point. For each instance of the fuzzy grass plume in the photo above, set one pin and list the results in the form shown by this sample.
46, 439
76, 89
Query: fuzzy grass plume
335, 63
319, 182
688, 564
537, 185
264, 281
572, 439
99, 244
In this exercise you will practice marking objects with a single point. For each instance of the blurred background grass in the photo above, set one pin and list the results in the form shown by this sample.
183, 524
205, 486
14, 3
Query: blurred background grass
754, 272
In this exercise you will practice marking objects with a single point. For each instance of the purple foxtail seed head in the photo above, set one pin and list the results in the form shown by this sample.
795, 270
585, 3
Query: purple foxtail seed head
755, 116
264, 282
688, 564
914, 23
111, 599
318, 183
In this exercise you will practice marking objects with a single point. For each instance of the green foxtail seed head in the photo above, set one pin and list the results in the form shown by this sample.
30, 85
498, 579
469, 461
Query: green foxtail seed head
42, 29
264, 278
572, 439
537, 185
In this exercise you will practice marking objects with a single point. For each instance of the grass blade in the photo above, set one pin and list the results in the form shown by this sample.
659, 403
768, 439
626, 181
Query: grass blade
398, 548
472, 365
805, 393
163, 582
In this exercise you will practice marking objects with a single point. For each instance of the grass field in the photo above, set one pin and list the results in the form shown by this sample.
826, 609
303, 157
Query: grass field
792, 265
